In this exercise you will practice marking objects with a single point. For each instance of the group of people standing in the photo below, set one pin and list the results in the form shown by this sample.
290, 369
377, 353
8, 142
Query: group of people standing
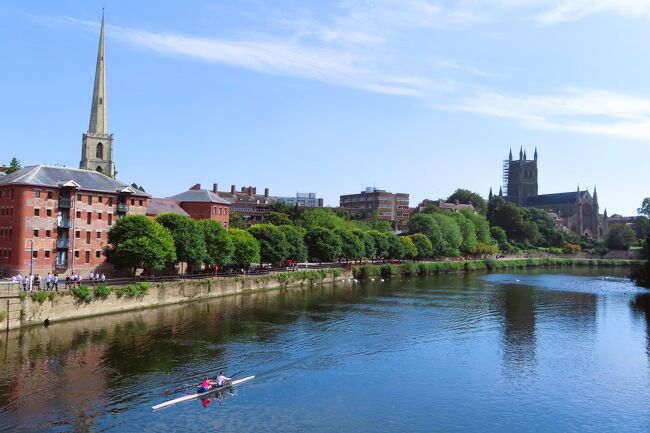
33, 282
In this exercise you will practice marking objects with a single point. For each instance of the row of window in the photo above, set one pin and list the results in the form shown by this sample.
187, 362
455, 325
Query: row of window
5, 253
6, 232
90, 198
6, 193
77, 234
77, 254
6, 211
222, 210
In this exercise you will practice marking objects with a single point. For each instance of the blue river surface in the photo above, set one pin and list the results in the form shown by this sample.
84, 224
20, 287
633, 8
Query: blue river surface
536, 351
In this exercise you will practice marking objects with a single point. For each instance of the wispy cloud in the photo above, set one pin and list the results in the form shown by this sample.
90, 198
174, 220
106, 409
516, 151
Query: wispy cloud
573, 10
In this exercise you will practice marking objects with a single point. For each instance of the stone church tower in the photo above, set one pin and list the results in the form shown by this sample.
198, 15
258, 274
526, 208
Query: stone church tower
520, 177
97, 143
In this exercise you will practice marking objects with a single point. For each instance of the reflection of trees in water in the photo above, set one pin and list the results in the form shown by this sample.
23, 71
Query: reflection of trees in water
641, 306
518, 308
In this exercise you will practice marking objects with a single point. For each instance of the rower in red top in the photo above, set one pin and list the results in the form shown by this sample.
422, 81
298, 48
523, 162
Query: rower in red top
205, 385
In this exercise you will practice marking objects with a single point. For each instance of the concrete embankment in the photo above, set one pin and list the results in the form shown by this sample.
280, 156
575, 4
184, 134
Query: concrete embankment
26, 309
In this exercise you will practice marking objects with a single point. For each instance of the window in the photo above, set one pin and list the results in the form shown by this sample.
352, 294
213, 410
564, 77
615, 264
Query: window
132, 202
90, 199
37, 212
77, 234
100, 199
37, 193
48, 233
99, 215
99, 152
98, 254
139, 202
49, 194
35, 233
88, 217
87, 256
87, 237
76, 254
47, 254
99, 235
35, 254
48, 212
79, 197
110, 201
110, 219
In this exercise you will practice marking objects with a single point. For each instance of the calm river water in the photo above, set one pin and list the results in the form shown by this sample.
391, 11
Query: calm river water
527, 352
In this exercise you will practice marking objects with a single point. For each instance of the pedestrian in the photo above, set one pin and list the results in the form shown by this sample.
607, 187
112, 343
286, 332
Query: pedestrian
48, 281
78, 279
25, 283
55, 282
91, 277
37, 282
102, 278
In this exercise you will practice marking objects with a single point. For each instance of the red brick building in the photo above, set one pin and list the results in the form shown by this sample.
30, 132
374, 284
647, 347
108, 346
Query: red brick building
204, 204
56, 219
247, 203
393, 207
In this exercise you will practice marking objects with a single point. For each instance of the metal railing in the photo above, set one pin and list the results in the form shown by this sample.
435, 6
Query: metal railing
63, 223
122, 207
65, 203
63, 244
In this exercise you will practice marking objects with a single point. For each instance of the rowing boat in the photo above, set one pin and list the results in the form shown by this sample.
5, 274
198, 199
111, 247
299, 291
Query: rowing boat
202, 394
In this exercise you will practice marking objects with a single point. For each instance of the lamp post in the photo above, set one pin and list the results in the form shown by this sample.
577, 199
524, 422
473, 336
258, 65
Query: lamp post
31, 262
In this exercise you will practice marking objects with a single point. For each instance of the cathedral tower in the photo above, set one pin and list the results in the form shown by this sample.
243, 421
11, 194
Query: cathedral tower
97, 143
520, 177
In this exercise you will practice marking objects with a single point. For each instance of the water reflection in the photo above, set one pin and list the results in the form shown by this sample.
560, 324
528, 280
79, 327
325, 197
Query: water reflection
641, 305
518, 307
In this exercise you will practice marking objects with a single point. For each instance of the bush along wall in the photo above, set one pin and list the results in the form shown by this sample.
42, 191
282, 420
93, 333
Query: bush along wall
367, 272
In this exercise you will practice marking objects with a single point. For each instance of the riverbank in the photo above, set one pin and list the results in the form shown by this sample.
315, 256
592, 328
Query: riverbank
33, 308
489, 264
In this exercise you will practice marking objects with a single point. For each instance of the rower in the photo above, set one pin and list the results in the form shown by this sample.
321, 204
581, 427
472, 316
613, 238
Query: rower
222, 379
205, 385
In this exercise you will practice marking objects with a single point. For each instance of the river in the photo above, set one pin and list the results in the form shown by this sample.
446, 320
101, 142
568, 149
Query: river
518, 352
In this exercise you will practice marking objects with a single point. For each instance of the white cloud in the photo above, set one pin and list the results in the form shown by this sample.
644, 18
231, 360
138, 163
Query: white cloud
573, 10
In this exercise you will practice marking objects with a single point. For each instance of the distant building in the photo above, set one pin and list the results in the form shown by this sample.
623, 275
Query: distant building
247, 203
393, 207
203, 204
577, 211
302, 199
157, 206
448, 206
57, 218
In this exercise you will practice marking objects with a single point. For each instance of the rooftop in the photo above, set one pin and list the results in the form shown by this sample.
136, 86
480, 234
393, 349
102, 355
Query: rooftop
198, 196
552, 199
156, 206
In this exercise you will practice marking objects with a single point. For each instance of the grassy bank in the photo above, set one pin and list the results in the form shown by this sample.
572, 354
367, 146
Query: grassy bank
489, 264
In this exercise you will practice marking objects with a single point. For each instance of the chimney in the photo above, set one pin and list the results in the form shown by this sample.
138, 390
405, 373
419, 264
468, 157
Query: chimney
233, 189
250, 190
266, 192
195, 187
215, 188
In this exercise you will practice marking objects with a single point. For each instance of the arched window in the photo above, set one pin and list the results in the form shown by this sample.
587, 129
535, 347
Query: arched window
99, 153
99, 169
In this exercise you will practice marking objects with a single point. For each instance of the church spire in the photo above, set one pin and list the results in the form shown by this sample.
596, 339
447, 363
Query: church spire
490, 196
595, 194
521, 153
98, 112
510, 156
535, 157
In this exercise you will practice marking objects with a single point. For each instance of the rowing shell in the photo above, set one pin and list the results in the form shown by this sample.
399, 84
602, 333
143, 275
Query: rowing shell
202, 394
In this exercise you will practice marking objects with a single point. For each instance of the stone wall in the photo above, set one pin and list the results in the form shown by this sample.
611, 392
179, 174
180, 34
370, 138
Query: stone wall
66, 306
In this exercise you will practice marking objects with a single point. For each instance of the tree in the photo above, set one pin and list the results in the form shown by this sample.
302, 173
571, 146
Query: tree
451, 235
218, 243
137, 242
498, 234
376, 223
323, 244
369, 251
642, 227
395, 246
320, 217
380, 240
427, 225
468, 232
14, 165
620, 237
138, 187
481, 226
509, 217
236, 221
295, 236
278, 219
246, 249
422, 244
274, 247
466, 196
643, 210
188, 237
410, 250
352, 247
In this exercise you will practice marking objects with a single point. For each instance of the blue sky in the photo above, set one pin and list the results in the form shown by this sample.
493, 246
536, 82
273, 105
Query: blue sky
417, 96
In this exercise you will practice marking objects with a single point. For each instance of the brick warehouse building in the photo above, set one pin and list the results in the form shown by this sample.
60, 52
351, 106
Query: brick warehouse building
59, 217
393, 207
204, 204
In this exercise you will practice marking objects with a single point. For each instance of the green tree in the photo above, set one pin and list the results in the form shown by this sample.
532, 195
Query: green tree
498, 234
278, 219
427, 225
138, 187
296, 240
323, 244
643, 210
236, 221
188, 237
320, 217
369, 251
376, 223
410, 250
218, 243
466, 196
14, 165
451, 235
352, 247
423, 245
380, 240
395, 246
274, 247
246, 249
136, 242
481, 226
468, 233
509, 217
620, 237
642, 227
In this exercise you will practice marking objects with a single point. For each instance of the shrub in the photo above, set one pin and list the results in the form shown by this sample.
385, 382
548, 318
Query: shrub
570, 248
39, 297
51, 296
386, 271
102, 291
82, 293
132, 290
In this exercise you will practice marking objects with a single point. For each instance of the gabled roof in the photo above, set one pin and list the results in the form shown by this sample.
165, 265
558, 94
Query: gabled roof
156, 206
553, 199
198, 196
57, 177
